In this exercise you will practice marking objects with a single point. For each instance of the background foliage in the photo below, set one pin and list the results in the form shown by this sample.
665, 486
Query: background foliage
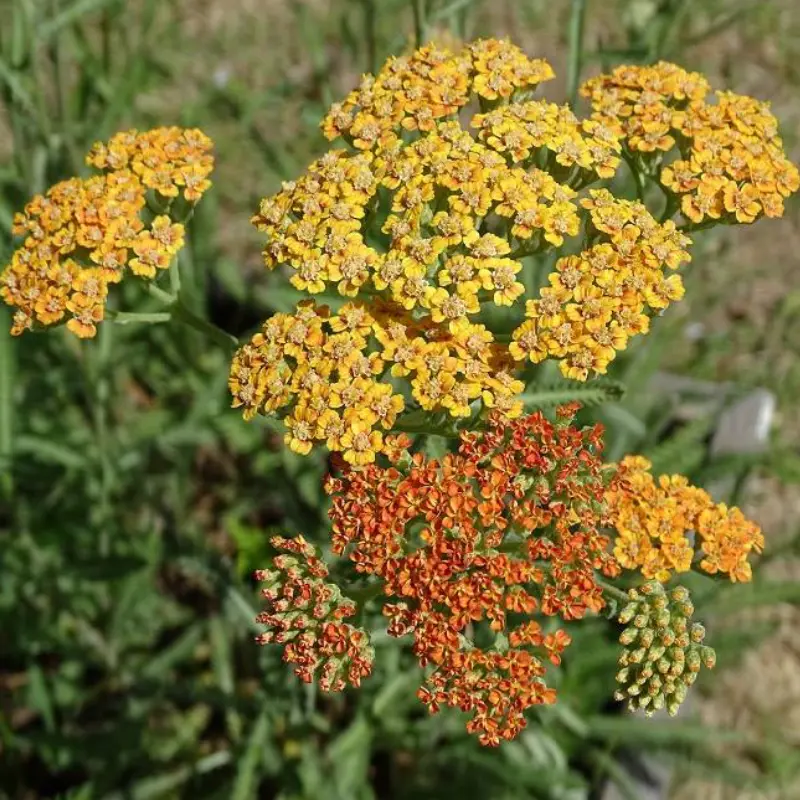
134, 504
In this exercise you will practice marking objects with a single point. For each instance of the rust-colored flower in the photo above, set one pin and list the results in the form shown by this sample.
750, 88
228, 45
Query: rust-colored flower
305, 614
481, 540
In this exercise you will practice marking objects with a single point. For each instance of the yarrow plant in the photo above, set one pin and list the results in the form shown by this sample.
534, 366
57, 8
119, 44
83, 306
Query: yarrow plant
462, 233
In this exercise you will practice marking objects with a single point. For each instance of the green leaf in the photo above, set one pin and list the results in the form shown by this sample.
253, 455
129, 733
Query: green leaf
738, 597
576, 49
109, 568
70, 14
222, 661
243, 609
16, 88
400, 686
349, 756
285, 298
684, 450
39, 697
160, 786
662, 732
7, 377
451, 8
618, 416
436, 446
181, 649
611, 768
51, 452
588, 394
246, 783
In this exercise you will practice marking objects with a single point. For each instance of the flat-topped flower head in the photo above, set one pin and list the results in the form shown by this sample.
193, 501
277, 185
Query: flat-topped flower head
427, 214
433, 83
83, 235
335, 378
729, 163
655, 519
471, 546
305, 614
599, 299
171, 161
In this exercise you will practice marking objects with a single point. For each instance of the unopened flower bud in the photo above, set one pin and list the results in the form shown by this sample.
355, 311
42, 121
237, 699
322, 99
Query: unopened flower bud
663, 652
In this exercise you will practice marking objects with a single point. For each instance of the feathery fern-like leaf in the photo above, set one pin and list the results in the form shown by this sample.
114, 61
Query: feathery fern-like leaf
588, 394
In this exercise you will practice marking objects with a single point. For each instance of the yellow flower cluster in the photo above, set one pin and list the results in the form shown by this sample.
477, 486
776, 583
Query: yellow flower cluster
654, 521
81, 235
569, 146
412, 93
598, 299
730, 161
425, 217
641, 102
425, 229
436, 258
330, 374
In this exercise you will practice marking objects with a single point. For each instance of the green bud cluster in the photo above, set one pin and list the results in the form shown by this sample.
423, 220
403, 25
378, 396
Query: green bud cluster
663, 650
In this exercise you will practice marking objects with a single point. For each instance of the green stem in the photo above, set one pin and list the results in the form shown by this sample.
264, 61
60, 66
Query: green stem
617, 594
63, 101
671, 205
126, 318
576, 26
175, 276
100, 393
693, 227
418, 7
160, 294
8, 366
638, 177
523, 252
363, 594
371, 34
181, 313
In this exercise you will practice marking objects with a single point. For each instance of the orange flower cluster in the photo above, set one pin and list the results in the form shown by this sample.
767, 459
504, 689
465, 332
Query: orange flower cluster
655, 520
172, 161
82, 234
598, 299
305, 615
471, 545
730, 163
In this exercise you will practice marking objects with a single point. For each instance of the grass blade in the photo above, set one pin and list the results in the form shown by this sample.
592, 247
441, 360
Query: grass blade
163, 785
246, 776
71, 14
7, 372
576, 26
14, 85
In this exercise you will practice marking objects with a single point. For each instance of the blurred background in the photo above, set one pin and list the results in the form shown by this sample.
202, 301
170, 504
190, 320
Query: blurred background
134, 504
